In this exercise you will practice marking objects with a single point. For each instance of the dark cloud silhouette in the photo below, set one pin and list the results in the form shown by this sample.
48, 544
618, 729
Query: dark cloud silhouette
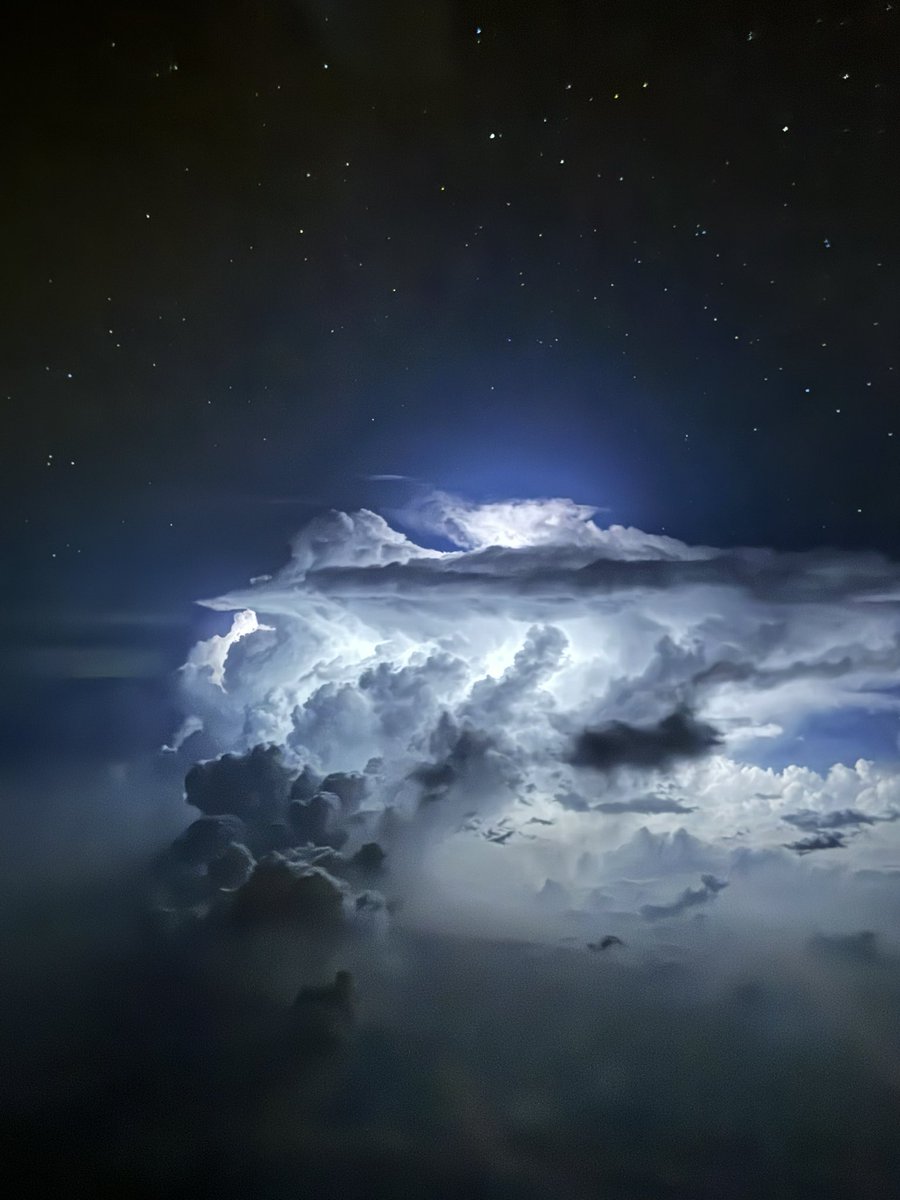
350, 787
323, 1015
605, 942
305, 785
231, 869
646, 805
689, 898
644, 747
818, 841
207, 838
280, 891
808, 819
859, 947
370, 858
318, 820
434, 777
253, 786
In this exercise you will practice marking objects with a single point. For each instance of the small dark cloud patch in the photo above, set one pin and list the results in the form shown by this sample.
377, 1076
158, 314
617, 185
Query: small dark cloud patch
644, 747
605, 942
809, 820
709, 888
818, 841
645, 805
323, 1015
859, 947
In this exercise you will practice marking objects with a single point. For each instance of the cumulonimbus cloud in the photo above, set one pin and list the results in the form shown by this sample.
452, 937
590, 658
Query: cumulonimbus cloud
550, 668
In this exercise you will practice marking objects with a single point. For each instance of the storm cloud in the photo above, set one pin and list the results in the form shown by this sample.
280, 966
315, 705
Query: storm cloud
653, 747
549, 670
433, 786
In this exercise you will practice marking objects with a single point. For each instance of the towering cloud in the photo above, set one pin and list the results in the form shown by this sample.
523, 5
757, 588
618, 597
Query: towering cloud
545, 686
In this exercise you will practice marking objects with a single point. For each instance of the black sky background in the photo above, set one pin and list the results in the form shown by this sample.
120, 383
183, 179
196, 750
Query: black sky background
254, 252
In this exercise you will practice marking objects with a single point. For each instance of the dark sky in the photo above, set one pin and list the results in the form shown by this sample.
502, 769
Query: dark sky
645, 255
256, 252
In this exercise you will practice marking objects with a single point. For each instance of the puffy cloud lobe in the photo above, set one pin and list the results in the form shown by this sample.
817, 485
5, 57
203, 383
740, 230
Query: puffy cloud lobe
660, 855
252, 786
318, 819
232, 868
278, 867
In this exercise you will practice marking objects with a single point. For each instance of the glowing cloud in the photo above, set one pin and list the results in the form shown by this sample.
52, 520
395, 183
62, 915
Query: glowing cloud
550, 668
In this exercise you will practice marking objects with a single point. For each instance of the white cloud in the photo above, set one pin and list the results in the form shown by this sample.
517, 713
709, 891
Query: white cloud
542, 624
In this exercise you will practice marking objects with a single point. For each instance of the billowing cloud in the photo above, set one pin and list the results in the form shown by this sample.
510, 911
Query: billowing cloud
544, 686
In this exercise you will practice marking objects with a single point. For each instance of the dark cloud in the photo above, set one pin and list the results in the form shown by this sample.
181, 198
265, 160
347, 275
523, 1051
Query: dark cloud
323, 1015
645, 805
544, 573
689, 898
810, 820
818, 841
318, 820
253, 786
370, 857
231, 869
434, 777
855, 659
572, 801
350, 787
610, 939
280, 891
207, 838
305, 785
650, 747
467, 763
860, 947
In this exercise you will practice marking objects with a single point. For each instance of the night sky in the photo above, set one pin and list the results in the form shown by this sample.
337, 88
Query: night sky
267, 258
640, 254
643, 255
